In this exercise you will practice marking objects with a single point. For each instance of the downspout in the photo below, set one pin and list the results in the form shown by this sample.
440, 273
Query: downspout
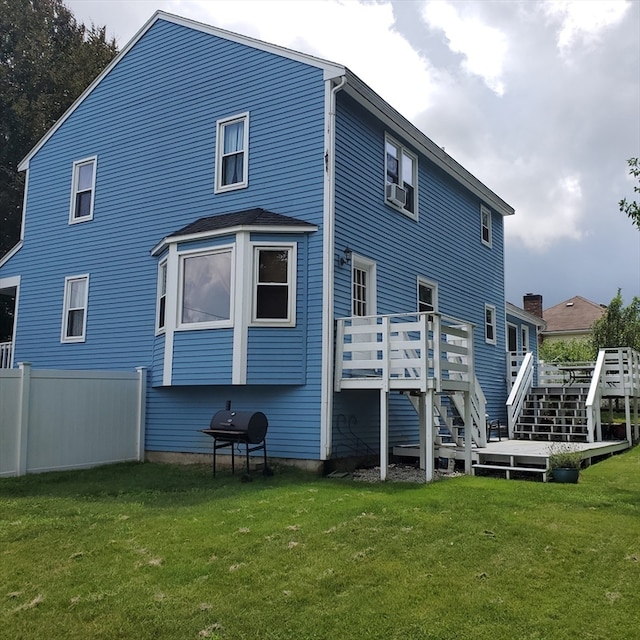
328, 263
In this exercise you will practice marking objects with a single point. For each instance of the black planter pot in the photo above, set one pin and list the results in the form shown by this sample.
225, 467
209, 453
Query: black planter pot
566, 475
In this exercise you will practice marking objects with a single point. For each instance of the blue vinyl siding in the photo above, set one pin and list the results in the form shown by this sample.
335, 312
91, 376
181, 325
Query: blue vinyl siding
443, 245
151, 122
202, 356
178, 413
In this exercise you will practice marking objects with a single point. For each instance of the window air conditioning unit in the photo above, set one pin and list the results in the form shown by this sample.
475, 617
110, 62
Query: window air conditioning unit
396, 194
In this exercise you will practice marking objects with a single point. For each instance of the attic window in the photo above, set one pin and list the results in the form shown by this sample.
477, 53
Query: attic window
82, 190
569, 304
232, 157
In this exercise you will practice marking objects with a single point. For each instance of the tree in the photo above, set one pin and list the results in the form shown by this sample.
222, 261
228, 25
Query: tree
575, 350
632, 209
46, 60
619, 326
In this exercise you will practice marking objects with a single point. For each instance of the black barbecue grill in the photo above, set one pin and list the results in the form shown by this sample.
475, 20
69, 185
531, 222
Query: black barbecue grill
230, 428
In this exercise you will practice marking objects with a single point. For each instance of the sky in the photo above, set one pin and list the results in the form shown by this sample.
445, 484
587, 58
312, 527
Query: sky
539, 99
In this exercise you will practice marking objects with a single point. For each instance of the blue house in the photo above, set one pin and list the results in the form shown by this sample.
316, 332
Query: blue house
256, 225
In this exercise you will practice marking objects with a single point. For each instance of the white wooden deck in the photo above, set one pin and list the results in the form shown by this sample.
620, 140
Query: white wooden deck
516, 456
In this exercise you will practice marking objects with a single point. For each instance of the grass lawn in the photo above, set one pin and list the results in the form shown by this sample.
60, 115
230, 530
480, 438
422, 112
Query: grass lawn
159, 551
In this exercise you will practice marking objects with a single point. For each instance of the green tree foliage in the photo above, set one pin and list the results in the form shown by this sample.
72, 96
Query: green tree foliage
632, 208
574, 350
46, 60
619, 326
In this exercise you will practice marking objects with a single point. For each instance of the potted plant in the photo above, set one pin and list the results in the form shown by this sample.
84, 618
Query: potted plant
564, 463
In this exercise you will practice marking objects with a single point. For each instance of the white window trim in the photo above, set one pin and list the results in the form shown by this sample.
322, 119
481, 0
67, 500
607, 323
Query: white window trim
163, 264
432, 285
65, 309
524, 338
360, 262
291, 279
484, 210
220, 125
402, 149
493, 324
74, 187
197, 326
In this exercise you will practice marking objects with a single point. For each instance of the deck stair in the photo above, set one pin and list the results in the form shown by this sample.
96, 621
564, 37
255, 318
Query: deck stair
555, 414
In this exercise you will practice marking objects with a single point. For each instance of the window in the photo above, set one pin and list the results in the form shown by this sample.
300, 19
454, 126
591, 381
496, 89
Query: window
363, 287
232, 153
524, 333
401, 178
162, 296
74, 318
205, 289
485, 217
427, 295
490, 323
82, 190
273, 293
512, 338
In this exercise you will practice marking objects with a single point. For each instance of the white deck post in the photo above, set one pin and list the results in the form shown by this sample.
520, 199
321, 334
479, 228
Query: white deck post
384, 433
627, 416
468, 429
422, 419
427, 409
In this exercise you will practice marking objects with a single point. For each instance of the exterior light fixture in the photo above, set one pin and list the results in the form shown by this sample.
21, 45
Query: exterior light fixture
347, 256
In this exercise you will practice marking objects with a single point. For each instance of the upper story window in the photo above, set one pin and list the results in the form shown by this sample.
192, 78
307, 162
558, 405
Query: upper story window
205, 289
162, 296
401, 178
485, 222
490, 323
274, 286
232, 153
82, 190
74, 316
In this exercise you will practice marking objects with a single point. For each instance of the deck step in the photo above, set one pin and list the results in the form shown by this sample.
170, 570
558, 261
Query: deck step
508, 470
504, 467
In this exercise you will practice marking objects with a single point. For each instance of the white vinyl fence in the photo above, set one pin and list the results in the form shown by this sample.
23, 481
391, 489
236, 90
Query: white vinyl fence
56, 419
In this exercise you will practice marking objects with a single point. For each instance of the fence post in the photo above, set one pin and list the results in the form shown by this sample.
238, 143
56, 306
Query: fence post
142, 410
23, 417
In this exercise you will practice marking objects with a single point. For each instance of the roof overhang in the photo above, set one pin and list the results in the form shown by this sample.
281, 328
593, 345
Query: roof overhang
531, 318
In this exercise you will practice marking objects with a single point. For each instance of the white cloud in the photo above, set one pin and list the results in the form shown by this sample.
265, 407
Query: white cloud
553, 213
484, 47
359, 36
583, 22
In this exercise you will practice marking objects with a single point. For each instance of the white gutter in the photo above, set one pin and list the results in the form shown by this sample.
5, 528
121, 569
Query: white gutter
328, 267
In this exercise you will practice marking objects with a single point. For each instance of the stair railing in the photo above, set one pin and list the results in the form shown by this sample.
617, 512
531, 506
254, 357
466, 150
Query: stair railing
594, 398
519, 391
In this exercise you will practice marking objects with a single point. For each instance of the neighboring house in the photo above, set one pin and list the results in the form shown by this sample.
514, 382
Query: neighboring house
571, 319
212, 204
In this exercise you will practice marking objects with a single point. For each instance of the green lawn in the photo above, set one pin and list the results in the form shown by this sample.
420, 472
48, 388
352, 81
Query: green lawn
159, 551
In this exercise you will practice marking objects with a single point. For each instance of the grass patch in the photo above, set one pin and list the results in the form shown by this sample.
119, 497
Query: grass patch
159, 551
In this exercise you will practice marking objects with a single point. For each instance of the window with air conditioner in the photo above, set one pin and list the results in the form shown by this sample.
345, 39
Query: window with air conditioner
401, 178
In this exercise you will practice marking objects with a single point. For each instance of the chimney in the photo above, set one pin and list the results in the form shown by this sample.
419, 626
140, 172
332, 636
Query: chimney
532, 303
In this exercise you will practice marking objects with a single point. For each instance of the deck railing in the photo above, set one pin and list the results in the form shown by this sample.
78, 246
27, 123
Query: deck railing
404, 351
6, 355
615, 373
519, 391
